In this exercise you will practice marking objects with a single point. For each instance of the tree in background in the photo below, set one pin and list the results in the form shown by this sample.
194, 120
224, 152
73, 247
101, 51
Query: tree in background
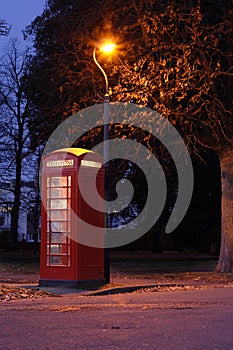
15, 115
185, 73
4, 28
176, 58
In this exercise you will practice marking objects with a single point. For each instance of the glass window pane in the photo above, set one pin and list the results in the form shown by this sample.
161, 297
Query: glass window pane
58, 204
55, 260
55, 249
58, 226
57, 237
58, 215
60, 181
58, 192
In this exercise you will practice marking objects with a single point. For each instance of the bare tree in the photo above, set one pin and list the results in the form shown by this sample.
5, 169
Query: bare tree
15, 115
4, 28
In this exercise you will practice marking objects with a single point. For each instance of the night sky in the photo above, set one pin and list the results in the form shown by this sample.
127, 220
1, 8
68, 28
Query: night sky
18, 14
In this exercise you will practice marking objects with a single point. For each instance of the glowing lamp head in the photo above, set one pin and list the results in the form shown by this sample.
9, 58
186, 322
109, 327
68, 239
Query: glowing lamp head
108, 47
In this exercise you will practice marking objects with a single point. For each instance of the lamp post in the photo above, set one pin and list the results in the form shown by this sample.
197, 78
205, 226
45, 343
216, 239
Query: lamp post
107, 48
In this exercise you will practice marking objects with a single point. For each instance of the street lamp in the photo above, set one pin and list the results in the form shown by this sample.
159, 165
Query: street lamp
107, 48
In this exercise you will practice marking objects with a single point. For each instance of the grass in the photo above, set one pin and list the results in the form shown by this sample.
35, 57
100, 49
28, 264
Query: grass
129, 264
147, 263
19, 262
163, 266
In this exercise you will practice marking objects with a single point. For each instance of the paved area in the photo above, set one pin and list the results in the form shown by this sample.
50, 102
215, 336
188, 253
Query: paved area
139, 309
184, 319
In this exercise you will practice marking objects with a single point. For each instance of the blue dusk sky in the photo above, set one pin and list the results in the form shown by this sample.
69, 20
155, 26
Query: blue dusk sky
18, 14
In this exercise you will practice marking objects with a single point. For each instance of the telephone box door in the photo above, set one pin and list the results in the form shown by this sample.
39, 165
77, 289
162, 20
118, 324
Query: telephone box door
56, 219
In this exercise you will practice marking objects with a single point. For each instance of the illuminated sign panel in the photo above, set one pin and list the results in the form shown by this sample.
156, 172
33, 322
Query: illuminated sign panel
59, 163
90, 164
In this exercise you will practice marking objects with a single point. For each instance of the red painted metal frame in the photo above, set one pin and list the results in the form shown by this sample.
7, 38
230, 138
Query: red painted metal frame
86, 263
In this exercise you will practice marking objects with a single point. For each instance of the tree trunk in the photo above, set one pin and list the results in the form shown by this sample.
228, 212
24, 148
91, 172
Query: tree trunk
225, 263
13, 239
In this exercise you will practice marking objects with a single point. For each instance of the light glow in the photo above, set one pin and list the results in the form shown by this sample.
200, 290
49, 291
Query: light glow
108, 47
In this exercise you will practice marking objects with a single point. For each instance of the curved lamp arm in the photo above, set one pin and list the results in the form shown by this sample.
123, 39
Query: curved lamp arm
102, 70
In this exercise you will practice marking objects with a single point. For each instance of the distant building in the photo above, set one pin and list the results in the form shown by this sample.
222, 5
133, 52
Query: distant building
28, 222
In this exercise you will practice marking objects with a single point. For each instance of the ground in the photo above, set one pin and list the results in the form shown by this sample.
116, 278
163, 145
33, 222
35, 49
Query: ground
168, 271
175, 319
153, 301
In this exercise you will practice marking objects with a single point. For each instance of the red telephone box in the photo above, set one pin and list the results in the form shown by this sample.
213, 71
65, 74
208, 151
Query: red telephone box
64, 260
